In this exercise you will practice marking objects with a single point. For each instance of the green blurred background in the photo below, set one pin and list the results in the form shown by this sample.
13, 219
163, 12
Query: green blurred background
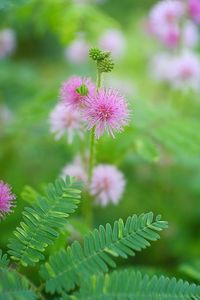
159, 153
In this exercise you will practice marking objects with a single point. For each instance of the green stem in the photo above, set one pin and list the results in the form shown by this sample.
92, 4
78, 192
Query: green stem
93, 140
92, 155
98, 81
87, 205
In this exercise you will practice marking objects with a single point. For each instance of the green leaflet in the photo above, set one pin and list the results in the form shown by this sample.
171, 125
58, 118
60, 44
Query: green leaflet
14, 286
131, 285
66, 268
43, 220
4, 261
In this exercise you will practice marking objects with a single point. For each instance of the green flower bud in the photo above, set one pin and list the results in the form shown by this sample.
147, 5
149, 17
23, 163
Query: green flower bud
105, 65
82, 90
98, 55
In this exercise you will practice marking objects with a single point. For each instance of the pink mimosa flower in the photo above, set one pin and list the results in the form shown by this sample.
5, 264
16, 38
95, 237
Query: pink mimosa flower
107, 184
106, 111
64, 120
70, 96
166, 12
186, 72
75, 169
194, 10
6, 199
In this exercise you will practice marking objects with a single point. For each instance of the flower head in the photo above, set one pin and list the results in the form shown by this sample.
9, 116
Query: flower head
64, 120
186, 71
7, 42
194, 10
169, 36
77, 51
75, 169
106, 111
113, 40
164, 22
69, 91
6, 199
107, 184
166, 12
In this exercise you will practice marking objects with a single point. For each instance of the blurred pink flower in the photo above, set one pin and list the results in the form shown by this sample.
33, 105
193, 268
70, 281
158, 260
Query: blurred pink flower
113, 40
194, 10
107, 184
7, 42
164, 22
106, 111
186, 71
166, 12
190, 35
160, 66
169, 36
181, 72
77, 51
6, 199
68, 92
64, 120
75, 169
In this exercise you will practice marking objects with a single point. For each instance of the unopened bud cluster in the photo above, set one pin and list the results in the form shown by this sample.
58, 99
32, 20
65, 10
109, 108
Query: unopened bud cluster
104, 61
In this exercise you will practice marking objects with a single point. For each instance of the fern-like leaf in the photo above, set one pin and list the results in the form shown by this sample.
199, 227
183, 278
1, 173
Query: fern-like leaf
43, 221
4, 261
65, 268
14, 286
126, 285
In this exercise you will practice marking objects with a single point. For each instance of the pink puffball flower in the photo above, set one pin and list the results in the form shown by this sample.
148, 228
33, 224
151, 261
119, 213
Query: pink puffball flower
186, 72
107, 184
64, 120
166, 12
69, 95
75, 169
190, 35
113, 40
194, 10
7, 42
77, 51
6, 199
106, 111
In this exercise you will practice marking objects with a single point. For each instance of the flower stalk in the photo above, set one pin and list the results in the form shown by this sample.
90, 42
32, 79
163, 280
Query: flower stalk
104, 64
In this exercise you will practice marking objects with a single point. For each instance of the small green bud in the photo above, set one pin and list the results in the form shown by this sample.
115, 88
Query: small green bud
106, 65
82, 90
98, 55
